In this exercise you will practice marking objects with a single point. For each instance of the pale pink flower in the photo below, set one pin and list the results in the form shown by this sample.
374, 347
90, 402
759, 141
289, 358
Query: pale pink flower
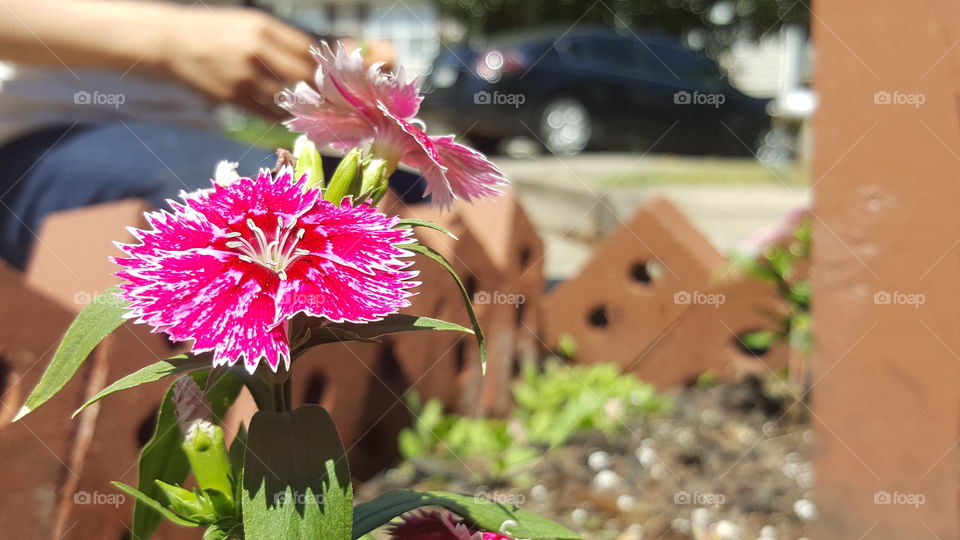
232, 265
761, 240
353, 106
426, 525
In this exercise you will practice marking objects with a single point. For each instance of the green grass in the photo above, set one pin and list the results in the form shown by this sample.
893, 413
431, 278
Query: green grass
259, 132
684, 170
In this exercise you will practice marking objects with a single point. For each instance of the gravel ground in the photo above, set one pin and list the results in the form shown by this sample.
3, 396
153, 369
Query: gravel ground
729, 462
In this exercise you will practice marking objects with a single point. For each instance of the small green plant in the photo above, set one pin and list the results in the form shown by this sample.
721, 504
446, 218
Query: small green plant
780, 256
552, 406
562, 400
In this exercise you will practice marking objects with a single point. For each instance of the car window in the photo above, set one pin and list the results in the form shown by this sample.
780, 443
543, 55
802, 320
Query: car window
621, 56
691, 68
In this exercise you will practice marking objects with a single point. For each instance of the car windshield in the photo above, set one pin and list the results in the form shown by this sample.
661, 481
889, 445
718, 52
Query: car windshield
619, 55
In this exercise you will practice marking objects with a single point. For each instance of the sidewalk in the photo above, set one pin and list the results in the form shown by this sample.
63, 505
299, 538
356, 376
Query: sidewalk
575, 201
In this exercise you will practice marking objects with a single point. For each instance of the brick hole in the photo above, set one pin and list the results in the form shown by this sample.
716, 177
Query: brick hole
598, 317
746, 349
460, 356
646, 272
5, 373
471, 284
526, 257
146, 427
316, 388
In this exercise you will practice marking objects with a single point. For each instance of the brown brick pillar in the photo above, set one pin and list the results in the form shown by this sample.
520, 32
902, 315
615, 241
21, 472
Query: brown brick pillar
886, 269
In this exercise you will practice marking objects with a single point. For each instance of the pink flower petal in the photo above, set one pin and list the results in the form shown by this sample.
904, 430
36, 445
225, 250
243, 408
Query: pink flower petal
352, 106
229, 268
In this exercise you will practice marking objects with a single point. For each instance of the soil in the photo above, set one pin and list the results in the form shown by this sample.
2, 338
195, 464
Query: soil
730, 461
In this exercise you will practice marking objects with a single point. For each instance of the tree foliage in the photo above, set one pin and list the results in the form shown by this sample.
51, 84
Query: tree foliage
711, 23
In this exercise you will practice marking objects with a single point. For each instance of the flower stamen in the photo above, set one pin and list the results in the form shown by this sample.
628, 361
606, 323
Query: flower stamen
276, 254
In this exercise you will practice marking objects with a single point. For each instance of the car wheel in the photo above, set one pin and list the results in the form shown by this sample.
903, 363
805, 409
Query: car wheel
565, 126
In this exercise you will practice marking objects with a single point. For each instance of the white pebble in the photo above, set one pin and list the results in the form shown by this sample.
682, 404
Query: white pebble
768, 532
726, 530
685, 438
598, 461
681, 525
658, 471
579, 516
633, 532
540, 493
626, 503
701, 517
805, 510
647, 456
805, 480
607, 481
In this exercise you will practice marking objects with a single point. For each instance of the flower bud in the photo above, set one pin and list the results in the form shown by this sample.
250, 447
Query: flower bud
346, 179
309, 162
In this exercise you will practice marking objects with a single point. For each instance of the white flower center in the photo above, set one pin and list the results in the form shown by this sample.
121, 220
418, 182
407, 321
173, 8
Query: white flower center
277, 254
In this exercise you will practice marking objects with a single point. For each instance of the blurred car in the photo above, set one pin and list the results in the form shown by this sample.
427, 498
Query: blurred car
592, 87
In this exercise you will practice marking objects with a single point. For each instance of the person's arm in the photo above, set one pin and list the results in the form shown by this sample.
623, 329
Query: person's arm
231, 54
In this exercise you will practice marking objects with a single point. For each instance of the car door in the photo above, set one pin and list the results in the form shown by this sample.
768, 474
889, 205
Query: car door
632, 96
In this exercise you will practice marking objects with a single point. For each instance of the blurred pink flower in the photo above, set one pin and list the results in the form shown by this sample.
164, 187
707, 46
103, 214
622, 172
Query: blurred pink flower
352, 106
426, 525
782, 232
230, 267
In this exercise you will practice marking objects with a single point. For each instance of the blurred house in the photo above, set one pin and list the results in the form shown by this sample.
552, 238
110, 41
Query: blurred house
411, 26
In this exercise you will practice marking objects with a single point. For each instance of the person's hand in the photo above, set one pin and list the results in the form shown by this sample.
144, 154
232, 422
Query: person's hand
241, 56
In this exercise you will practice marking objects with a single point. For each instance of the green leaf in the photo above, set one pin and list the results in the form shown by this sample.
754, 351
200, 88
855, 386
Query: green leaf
484, 513
151, 373
368, 332
163, 458
427, 251
413, 222
101, 317
346, 179
150, 502
296, 482
760, 340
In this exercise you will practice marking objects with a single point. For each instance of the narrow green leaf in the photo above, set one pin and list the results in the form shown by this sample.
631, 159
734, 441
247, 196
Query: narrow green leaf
296, 482
368, 332
413, 222
144, 499
151, 373
484, 513
162, 458
427, 251
101, 317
